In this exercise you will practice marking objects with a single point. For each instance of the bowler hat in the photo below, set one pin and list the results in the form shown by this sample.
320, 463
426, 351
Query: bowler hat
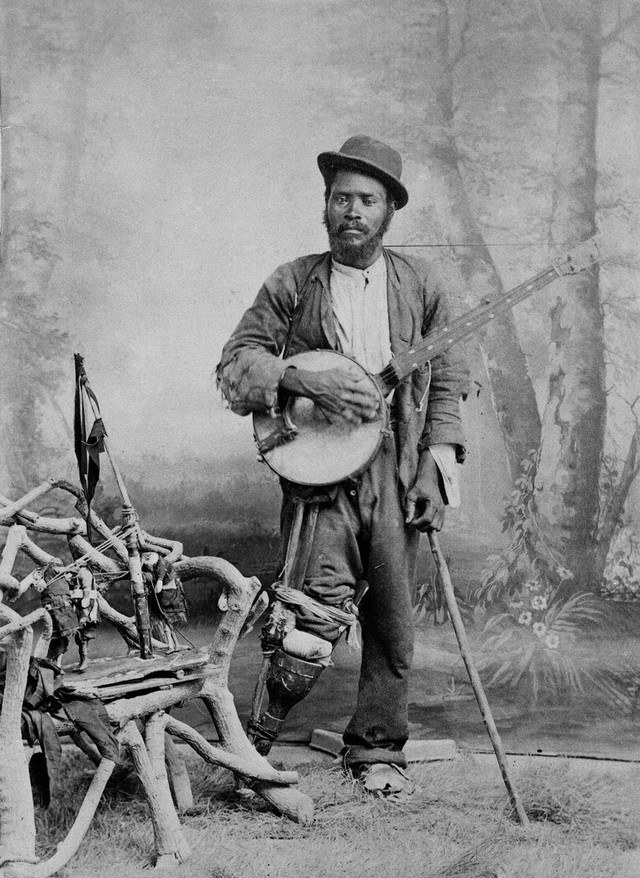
368, 156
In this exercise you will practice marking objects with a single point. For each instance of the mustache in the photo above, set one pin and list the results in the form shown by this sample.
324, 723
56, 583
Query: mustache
355, 226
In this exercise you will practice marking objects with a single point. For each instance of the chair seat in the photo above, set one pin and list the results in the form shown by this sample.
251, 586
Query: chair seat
117, 677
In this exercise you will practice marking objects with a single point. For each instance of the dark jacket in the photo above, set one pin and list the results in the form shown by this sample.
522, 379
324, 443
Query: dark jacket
293, 313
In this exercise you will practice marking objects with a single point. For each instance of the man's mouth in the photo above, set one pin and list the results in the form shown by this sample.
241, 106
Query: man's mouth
351, 230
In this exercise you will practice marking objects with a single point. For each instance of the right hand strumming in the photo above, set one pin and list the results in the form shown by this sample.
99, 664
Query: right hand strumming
339, 395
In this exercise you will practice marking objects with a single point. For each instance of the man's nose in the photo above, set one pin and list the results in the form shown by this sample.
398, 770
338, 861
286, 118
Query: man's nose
353, 209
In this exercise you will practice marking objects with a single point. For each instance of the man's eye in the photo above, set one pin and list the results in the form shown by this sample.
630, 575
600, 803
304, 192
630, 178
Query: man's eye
341, 199
370, 201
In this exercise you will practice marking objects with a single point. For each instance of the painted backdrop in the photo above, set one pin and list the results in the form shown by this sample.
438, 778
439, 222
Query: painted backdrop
158, 161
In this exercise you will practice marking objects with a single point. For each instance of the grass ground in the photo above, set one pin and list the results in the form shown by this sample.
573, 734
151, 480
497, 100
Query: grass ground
455, 824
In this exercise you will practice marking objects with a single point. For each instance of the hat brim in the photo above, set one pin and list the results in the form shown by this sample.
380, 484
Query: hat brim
331, 161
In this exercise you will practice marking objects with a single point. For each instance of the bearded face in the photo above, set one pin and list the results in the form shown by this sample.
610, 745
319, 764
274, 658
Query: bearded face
357, 216
350, 252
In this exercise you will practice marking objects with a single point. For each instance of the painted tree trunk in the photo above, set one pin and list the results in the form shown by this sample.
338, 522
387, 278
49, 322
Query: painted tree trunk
449, 217
574, 416
613, 514
40, 154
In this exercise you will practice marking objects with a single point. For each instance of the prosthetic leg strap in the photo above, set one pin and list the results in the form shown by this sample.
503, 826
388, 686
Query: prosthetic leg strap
294, 597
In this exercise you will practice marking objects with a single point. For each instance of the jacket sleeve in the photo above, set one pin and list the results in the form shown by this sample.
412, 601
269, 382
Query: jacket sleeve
449, 374
251, 364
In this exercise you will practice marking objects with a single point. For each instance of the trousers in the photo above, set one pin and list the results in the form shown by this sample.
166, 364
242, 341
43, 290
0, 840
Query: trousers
361, 536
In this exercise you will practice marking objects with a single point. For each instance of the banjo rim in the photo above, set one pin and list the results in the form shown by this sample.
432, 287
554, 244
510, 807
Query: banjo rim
381, 424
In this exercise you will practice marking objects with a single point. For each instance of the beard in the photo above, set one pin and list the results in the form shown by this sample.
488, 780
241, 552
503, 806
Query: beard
351, 252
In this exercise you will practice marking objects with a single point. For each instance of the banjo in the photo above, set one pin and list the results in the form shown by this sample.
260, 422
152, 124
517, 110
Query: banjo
301, 445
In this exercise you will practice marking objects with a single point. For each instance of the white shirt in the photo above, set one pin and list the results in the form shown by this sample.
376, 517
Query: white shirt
361, 314
360, 310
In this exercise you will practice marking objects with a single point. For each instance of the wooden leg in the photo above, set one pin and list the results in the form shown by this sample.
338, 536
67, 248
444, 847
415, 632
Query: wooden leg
178, 775
149, 764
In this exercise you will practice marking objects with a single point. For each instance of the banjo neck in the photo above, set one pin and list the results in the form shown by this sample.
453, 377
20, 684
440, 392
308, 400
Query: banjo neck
435, 343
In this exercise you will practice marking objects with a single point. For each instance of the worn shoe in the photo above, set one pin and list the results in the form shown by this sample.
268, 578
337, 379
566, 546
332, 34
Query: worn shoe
384, 779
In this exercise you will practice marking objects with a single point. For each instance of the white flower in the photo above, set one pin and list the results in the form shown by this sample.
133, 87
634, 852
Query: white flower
524, 618
563, 573
539, 629
552, 640
531, 584
538, 602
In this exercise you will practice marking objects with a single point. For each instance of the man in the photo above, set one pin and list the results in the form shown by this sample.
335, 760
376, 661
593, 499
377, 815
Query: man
371, 304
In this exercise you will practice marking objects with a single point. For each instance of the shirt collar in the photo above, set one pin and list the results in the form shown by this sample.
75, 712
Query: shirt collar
376, 270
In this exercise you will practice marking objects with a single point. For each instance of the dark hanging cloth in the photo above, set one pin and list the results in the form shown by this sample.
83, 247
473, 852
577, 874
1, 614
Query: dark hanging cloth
88, 447
43, 701
38, 729
90, 716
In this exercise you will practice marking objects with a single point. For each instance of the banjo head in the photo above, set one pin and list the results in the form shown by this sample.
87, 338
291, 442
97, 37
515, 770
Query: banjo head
321, 453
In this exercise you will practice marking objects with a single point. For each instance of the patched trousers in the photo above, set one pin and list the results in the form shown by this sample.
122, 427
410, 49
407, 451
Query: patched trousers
361, 536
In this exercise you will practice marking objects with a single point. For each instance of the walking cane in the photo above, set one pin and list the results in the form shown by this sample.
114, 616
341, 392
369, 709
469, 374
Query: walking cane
474, 677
